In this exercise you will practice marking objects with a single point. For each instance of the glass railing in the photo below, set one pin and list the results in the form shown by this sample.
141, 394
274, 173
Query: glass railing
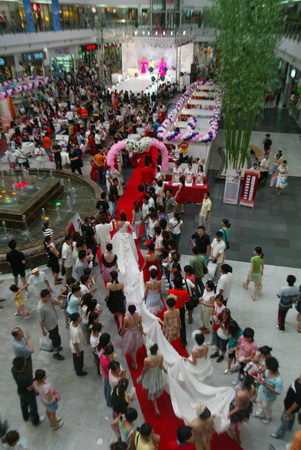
292, 30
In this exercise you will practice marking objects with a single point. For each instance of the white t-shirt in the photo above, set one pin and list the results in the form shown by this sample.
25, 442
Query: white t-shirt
94, 340
41, 152
175, 225
224, 283
145, 210
67, 255
69, 115
218, 249
206, 207
37, 283
83, 289
76, 337
206, 298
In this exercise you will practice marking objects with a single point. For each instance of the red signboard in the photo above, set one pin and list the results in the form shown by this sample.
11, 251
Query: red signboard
89, 47
249, 187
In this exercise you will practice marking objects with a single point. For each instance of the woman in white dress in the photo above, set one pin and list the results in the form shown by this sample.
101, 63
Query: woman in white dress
177, 172
103, 232
282, 175
199, 179
198, 366
129, 273
189, 173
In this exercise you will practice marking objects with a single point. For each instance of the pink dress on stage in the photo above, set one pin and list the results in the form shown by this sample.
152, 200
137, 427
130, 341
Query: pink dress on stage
162, 67
144, 64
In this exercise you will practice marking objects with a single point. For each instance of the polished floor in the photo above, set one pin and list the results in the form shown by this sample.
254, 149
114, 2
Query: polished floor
87, 419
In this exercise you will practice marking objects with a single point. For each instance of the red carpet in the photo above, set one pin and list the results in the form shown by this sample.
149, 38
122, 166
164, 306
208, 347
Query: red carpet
166, 425
131, 193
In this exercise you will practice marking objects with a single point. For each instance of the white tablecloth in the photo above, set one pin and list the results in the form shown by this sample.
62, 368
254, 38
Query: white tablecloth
197, 112
65, 158
28, 147
196, 101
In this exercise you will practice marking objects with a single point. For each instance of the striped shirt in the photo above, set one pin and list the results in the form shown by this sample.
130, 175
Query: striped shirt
47, 232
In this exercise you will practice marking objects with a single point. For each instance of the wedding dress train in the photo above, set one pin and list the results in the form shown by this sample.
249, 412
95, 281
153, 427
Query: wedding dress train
182, 382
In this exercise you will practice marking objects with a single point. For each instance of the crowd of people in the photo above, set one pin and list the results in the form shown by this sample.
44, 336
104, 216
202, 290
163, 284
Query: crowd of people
198, 292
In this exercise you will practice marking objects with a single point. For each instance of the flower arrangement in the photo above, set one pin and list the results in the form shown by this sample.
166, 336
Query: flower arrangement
188, 134
21, 84
135, 146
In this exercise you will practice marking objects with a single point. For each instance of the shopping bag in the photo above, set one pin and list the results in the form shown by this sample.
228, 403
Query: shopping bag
45, 344
211, 269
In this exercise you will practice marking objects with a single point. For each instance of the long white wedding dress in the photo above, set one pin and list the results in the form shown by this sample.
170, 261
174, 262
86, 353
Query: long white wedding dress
182, 382
125, 248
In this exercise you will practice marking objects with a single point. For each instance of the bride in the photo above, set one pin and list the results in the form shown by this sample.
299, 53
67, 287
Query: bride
198, 367
126, 251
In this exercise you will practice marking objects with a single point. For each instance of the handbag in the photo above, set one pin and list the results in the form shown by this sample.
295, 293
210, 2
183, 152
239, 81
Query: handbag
57, 395
63, 271
211, 268
45, 344
194, 299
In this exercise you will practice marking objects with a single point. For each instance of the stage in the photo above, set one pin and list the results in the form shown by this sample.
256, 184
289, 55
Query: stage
142, 82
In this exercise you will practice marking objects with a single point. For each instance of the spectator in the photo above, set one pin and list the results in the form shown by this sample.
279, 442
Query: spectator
22, 373
76, 344
206, 212
49, 321
288, 295
16, 259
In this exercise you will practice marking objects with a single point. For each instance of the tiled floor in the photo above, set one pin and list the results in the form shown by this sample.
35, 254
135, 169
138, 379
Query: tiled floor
87, 419
272, 224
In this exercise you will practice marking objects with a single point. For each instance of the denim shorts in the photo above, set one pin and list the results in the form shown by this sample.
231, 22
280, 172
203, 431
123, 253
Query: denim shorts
221, 343
51, 407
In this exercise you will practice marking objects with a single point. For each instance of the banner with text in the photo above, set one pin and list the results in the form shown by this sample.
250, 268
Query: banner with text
249, 188
232, 185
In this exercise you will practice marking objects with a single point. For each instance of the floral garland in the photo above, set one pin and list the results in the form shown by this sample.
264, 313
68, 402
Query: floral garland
189, 134
22, 84
137, 146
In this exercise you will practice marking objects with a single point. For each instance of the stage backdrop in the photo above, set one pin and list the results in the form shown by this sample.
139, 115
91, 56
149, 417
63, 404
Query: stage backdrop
133, 52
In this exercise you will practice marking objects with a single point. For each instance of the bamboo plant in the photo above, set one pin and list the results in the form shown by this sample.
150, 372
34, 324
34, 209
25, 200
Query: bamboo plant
248, 33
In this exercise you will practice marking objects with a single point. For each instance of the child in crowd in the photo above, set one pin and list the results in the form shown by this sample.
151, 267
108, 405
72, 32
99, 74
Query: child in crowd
20, 300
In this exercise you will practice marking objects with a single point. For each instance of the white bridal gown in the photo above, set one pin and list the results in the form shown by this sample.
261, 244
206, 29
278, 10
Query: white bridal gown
183, 382
125, 248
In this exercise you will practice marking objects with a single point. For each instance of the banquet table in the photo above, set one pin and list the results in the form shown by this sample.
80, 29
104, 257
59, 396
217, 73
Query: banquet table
198, 101
197, 112
28, 148
194, 193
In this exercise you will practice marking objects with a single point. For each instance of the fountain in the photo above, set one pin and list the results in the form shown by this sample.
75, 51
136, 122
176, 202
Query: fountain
54, 198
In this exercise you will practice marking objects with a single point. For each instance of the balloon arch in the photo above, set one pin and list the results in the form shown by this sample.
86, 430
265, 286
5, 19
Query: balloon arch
135, 146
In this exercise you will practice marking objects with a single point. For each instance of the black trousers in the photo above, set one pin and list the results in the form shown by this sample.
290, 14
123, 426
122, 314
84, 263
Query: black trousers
58, 162
55, 337
281, 318
183, 326
78, 362
29, 408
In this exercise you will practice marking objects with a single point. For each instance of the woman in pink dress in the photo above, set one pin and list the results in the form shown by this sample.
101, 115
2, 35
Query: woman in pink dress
144, 64
132, 332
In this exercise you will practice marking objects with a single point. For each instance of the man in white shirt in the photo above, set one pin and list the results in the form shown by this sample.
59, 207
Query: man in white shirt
224, 283
205, 212
175, 226
70, 116
38, 281
264, 169
40, 155
67, 260
76, 344
217, 253
97, 139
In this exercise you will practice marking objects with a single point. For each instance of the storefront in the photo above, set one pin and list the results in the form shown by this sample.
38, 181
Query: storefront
33, 63
7, 68
61, 60
88, 54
